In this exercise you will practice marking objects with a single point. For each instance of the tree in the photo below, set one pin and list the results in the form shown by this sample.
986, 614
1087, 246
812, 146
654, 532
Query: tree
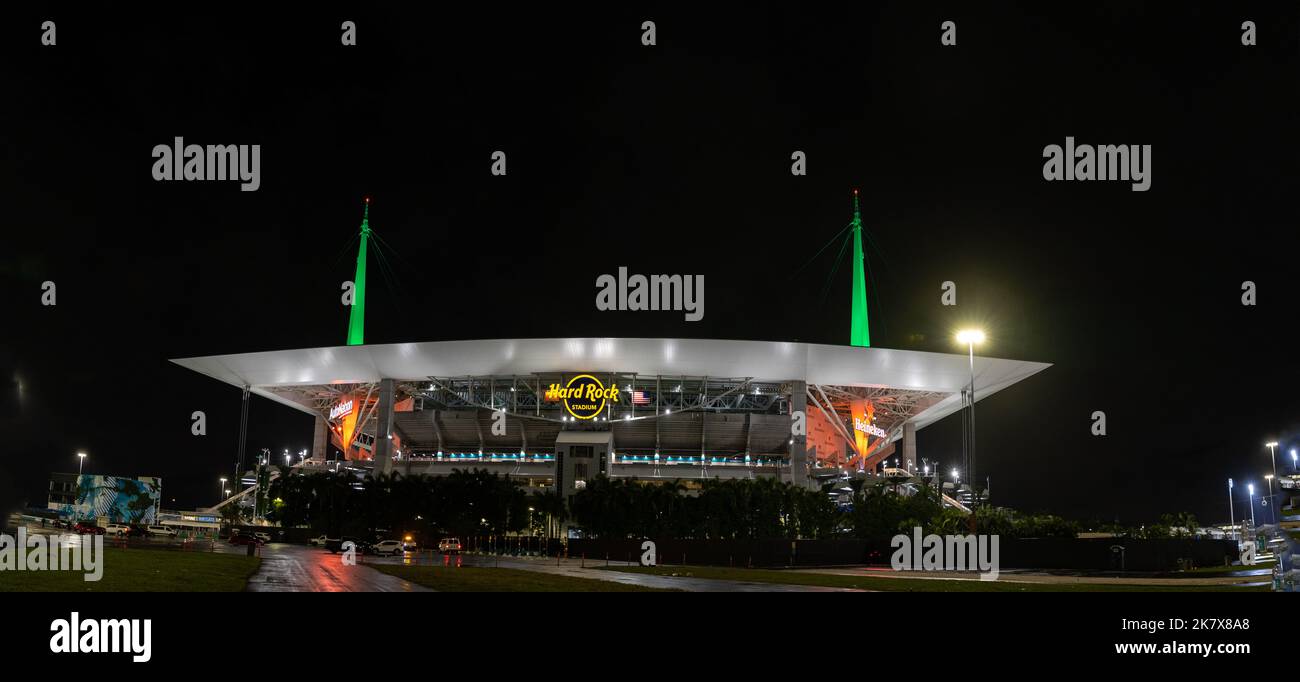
232, 513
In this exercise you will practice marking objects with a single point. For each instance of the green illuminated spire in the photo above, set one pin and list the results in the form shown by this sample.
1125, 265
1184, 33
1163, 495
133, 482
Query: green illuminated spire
357, 318
860, 333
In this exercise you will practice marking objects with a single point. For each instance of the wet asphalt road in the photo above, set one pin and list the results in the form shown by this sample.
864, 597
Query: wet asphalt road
295, 568
573, 568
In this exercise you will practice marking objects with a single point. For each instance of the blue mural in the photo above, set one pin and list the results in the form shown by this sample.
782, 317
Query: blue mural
121, 500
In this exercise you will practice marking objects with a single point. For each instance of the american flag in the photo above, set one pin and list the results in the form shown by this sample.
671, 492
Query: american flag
640, 398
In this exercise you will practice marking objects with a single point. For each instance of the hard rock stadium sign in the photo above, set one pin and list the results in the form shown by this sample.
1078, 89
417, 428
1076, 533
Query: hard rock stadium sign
584, 396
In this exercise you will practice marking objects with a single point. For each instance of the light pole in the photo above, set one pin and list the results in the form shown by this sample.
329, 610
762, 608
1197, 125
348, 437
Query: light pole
222, 488
81, 460
1251, 487
1294, 466
1232, 521
1271, 514
970, 337
1272, 452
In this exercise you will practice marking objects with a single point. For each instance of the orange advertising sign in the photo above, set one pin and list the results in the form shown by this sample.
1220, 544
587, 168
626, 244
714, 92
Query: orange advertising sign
864, 416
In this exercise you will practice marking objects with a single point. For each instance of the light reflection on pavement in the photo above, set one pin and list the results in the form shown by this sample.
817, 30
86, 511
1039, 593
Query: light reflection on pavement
295, 568
573, 568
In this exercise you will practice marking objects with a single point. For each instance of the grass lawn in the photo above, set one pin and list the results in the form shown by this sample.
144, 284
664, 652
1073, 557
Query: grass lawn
480, 579
758, 575
144, 570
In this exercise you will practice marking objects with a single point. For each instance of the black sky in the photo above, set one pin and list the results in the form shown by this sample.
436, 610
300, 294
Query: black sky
673, 158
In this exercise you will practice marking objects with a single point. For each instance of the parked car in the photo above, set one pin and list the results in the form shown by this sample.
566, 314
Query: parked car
166, 531
449, 546
409, 544
84, 527
386, 547
336, 545
238, 539
263, 536
319, 541
118, 529
136, 532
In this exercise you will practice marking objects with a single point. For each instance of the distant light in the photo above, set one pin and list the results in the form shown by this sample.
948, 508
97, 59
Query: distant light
970, 336
1273, 444
1251, 486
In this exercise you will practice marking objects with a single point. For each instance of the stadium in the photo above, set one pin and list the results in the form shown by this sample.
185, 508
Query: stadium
553, 413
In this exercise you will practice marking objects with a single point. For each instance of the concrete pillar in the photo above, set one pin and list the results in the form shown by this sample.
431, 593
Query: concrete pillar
384, 428
320, 440
799, 448
908, 458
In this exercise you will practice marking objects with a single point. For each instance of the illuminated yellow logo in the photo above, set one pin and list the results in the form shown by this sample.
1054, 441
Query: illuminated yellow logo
584, 396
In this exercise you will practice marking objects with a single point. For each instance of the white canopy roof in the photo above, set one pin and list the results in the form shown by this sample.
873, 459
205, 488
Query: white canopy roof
761, 360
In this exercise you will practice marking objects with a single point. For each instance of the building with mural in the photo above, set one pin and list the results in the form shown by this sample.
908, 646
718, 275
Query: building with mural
110, 499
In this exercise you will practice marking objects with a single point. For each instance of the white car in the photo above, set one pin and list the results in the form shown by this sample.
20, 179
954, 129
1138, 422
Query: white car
388, 547
449, 546
162, 530
262, 535
116, 529
318, 541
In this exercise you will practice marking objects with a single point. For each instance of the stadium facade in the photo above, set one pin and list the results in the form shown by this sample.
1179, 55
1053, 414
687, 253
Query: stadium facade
556, 412
670, 408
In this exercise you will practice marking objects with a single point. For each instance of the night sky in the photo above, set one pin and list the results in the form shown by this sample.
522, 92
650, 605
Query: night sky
666, 159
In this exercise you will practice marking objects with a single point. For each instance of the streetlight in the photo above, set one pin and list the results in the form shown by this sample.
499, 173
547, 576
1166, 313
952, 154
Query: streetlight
1251, 488
970, 337
1232, 521
223, 487
1272, 514
1272, 452
1294, 467
81, 460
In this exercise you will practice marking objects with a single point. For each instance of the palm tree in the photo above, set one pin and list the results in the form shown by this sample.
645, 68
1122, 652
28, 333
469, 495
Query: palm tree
551, 504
